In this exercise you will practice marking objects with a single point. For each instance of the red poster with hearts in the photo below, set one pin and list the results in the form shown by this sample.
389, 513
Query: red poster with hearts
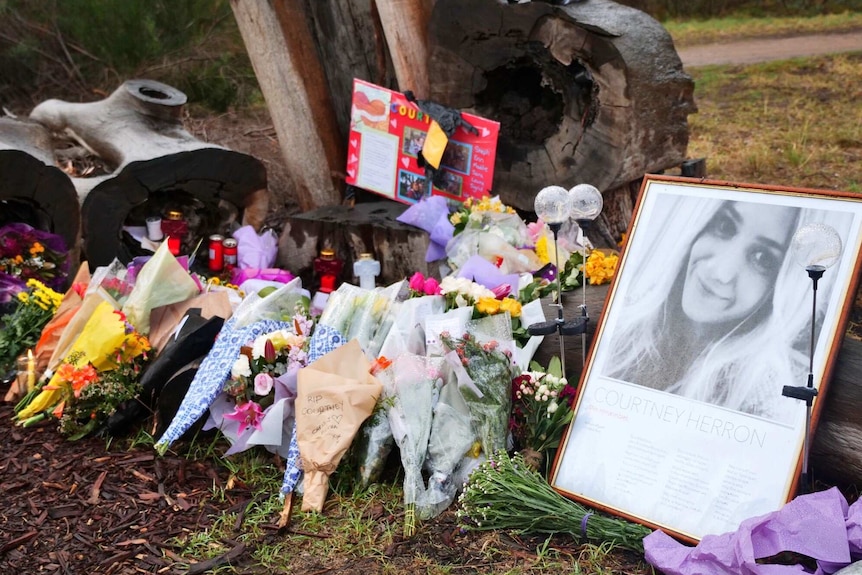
387, 132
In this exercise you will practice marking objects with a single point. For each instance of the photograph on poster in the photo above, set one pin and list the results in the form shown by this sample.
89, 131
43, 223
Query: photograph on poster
410, 186
457, 157
449, 183
414, 139
704, 327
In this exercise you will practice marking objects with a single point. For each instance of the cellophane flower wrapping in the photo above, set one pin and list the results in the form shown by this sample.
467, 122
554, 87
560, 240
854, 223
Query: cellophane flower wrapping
407, 334
162, 281
107, 354
484, 373
264, 374
279, 305
451, 438
111, 282
29, 253
364, 315
411, 385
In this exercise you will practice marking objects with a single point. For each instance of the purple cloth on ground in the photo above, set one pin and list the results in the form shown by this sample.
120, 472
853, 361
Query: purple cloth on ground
819, 525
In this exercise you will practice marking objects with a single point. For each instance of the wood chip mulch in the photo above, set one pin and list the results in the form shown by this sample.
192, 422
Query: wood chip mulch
87, 507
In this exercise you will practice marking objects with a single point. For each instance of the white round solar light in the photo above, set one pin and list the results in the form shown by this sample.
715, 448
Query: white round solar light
586, 202
553, 205
816, 245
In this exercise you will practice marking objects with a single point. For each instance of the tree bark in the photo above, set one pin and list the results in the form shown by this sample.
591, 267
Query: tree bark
592, 92
351, 45
285, 61
405, 24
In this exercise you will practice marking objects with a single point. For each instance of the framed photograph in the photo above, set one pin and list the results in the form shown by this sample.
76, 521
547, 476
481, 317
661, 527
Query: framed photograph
680, 419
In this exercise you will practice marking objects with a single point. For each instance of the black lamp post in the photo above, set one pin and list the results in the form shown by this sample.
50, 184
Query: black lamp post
816, 247
587, 204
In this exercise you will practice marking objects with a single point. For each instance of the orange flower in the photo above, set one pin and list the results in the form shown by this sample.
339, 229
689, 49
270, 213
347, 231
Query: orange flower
36, 248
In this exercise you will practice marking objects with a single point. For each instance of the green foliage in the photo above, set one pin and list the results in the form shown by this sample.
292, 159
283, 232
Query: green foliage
85, 44
701, 9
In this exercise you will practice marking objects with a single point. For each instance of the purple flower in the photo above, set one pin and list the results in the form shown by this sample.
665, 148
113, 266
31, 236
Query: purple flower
262, 383
248, 414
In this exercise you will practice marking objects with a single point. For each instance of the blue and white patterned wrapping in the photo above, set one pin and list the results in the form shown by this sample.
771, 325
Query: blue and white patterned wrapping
324, 340
213, 372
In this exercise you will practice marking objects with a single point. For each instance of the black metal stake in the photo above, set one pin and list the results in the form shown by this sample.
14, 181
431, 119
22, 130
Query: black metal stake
560, 325
808, 392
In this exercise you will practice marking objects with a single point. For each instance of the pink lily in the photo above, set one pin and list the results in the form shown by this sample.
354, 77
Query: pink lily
248, 414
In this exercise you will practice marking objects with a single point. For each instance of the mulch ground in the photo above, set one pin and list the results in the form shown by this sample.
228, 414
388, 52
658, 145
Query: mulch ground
79, 507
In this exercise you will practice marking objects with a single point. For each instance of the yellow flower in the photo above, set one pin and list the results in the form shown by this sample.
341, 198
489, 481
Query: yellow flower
511, 305
542, 250
23, 297
600, 268
487, 306
455, 218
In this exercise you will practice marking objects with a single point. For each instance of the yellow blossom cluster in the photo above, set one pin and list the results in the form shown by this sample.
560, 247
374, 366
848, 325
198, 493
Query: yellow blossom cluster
474, 206
42, 296
600, 267
493, 306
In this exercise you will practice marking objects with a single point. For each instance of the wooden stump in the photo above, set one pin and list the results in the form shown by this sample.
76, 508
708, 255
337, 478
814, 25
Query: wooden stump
366, 228
592, 92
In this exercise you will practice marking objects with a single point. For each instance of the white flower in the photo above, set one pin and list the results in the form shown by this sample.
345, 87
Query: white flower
460, 301
552, 407
448, 284
257, 348
241, 367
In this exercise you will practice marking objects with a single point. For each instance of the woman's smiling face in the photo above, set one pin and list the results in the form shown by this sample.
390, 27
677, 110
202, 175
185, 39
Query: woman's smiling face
735, 260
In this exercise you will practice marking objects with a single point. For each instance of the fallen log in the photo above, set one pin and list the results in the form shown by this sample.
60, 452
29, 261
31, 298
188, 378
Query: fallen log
32, 189
156, 166
591, 92
405, 24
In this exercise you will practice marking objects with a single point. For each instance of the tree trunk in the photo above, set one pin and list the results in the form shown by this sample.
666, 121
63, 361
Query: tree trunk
351, 44
365, 228
592, 92
287, 67
405, 23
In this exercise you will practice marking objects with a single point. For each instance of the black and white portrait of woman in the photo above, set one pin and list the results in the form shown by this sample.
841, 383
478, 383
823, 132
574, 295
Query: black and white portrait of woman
712, 306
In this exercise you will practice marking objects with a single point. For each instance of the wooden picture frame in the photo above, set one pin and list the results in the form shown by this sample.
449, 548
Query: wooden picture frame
680, 421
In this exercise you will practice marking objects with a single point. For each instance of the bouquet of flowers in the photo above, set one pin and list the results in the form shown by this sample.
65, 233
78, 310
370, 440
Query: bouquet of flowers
99, 374
27, 253
32, 309
541, 410
258, 395
484, 376
505, 493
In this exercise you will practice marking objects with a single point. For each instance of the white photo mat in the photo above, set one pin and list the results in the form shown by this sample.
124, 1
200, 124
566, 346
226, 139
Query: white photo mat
661, 450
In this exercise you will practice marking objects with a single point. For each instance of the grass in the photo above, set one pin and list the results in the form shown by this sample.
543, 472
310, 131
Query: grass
784, 123
690, 32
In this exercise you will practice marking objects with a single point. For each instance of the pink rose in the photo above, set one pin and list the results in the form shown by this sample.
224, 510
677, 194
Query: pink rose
431, 287
417, 282
262, 383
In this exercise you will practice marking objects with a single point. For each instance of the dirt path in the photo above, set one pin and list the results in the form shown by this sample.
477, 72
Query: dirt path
765, 49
